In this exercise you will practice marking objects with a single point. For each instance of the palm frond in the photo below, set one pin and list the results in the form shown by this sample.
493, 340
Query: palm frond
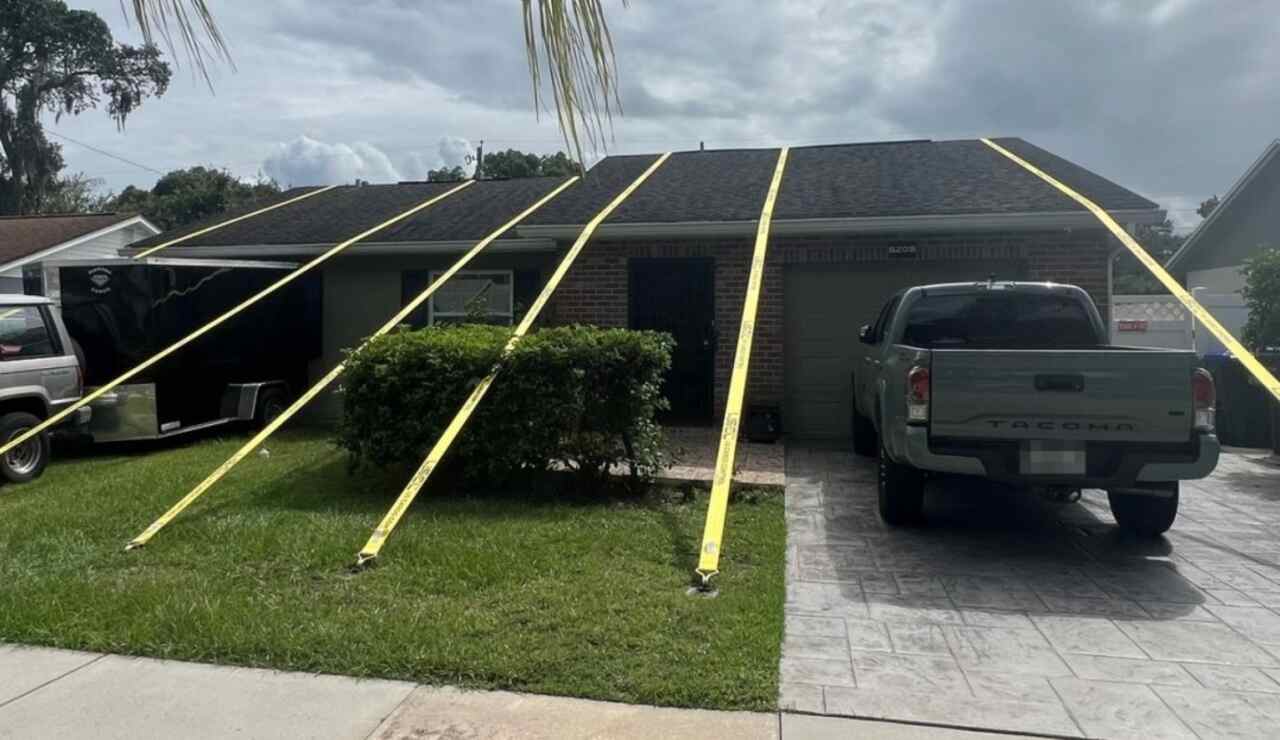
572, 37
193, 24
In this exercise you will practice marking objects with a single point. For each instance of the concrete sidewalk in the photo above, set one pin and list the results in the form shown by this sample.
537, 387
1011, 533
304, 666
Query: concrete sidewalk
55, 694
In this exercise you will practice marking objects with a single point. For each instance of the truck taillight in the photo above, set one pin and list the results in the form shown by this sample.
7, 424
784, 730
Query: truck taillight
918, 395
1204, 399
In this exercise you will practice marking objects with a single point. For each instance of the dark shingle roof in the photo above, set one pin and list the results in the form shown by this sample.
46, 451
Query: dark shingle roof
908, 178
21, 236
346, 211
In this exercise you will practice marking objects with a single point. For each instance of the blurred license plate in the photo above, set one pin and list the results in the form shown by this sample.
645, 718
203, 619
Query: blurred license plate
1053, 457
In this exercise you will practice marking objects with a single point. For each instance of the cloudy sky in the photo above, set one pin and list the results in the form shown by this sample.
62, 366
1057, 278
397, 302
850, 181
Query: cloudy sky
1173, 98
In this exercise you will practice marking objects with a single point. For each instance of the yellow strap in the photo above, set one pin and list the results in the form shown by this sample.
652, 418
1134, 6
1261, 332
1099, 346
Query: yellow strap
237, 219
333, 374
713, 532
1202, 315
437, 453
333, 251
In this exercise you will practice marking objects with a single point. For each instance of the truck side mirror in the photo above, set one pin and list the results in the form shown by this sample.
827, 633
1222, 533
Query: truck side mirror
865, 336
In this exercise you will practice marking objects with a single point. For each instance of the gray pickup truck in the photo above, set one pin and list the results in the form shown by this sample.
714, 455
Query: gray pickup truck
1015, 382
40, 374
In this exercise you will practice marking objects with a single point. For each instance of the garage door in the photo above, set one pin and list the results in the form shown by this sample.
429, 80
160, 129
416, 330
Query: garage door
824, 307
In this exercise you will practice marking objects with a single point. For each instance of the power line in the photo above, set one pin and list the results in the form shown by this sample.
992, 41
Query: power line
104, 152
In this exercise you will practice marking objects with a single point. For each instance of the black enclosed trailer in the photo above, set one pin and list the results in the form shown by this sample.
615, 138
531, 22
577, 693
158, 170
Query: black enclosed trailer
123, 311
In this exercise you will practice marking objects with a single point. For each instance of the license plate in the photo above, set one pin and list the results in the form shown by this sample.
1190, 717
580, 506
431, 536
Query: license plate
1053, 457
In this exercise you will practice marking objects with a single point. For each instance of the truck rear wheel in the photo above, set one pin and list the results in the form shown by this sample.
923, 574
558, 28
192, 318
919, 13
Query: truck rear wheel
27, 461
1144, 514
864, 435
901, 492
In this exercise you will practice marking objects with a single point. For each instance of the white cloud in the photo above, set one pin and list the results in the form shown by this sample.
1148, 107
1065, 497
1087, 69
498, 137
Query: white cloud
306, 161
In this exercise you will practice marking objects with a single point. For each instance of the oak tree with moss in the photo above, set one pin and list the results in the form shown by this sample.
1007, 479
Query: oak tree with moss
58, 61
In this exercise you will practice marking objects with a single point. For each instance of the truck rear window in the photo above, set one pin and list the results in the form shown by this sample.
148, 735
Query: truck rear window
1005, 319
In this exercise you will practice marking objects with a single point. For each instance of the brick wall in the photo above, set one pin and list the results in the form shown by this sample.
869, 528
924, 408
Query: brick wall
595, 290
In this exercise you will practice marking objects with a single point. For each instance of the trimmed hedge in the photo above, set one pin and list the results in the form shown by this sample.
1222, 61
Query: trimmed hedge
575, 397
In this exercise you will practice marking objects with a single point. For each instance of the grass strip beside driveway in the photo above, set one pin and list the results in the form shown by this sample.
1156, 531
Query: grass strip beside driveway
568, 597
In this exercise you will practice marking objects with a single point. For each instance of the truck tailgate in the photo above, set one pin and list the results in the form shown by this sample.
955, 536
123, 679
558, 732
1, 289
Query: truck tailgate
1092, 394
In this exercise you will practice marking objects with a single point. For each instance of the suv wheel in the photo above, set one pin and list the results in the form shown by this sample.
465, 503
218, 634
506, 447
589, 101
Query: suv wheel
901, 492
28, 460
1144, 514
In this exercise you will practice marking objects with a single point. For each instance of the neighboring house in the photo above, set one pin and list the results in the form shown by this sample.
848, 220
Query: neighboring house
1246, 221
852, 224
28, 239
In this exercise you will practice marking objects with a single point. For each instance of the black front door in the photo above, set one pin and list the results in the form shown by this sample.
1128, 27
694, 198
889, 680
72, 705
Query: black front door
677, 296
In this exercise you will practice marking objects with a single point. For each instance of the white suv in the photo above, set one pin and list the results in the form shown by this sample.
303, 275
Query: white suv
40, 374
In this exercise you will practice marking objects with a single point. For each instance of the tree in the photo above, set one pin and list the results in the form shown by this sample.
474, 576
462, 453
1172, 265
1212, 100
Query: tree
1262, 297
515, 163
570, 36
446, 174
185, 196
60, 61
1207, 206
1131, 276
75, 194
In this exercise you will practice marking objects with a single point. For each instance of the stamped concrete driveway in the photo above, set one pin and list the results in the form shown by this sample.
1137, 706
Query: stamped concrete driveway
1010, 613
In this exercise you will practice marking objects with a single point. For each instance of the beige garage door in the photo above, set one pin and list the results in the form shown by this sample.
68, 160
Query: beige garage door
825, 306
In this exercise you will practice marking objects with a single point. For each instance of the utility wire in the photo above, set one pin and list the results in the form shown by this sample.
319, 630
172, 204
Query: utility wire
104, 152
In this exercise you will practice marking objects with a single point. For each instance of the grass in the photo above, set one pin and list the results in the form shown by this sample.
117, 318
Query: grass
564, 597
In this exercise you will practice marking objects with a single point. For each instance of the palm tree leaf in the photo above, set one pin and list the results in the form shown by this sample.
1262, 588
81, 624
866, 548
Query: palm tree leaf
572, 37
194, 26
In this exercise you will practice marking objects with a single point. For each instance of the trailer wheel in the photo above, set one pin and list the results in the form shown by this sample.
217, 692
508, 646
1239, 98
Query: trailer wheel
272, 402
901, 492
1146, 515
27, 461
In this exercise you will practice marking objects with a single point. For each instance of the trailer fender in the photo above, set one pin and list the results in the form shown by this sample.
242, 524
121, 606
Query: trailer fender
240, 400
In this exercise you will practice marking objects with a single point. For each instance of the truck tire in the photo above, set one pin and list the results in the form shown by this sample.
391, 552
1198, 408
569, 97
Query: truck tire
27, 461
901, 494
272, 401
1144, 515
864, 435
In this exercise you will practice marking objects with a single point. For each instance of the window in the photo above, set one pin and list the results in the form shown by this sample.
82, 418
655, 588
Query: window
485, 294
23, 333
1005, 319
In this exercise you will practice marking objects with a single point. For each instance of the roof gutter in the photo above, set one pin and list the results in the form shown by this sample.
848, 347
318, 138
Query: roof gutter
362, 249
1052, 220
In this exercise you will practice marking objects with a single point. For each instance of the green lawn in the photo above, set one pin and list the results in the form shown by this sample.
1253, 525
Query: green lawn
560, 597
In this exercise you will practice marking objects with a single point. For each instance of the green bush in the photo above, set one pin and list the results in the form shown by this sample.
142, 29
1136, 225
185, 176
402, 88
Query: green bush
1262, 296
576, 397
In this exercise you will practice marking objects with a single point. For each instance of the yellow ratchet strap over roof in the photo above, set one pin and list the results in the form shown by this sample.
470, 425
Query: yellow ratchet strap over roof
214, 227
1257, 369
713, 531
437, 453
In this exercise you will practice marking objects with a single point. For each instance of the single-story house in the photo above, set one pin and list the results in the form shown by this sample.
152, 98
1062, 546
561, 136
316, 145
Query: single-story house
1246, 221
28, 239
853, 223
